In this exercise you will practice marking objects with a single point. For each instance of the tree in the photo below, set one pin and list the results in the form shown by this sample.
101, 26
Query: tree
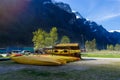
90, 45
42, 39
87, 45
117, 47
54, 35
48, 41
110, 47
39, 37
93, 44
65, 39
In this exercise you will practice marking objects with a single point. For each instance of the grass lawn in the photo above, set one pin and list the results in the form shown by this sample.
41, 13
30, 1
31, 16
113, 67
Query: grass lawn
102, 54
95, 73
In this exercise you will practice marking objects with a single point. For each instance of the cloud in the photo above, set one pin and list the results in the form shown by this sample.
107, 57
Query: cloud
109, 16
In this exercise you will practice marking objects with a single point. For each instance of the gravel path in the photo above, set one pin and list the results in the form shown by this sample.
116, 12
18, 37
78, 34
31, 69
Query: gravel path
84, 64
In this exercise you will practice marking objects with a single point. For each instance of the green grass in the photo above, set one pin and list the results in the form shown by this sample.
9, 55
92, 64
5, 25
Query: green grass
32, 74
112, 72
102, 54
7, 63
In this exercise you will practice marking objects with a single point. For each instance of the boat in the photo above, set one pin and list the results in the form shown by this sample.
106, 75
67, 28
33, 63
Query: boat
37, 60
65, 58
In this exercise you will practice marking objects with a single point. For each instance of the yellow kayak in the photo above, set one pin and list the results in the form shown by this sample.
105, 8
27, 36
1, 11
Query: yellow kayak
37, 60
65, 58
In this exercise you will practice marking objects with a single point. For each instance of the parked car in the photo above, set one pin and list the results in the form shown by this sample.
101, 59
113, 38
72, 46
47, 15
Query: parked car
26, 52
16, 51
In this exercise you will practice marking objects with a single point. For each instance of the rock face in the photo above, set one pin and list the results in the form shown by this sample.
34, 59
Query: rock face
19, 18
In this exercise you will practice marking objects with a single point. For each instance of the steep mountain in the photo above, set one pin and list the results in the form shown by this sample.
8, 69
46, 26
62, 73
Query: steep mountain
19, 18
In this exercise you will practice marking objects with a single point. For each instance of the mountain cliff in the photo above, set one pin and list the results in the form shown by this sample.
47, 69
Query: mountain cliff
19, 18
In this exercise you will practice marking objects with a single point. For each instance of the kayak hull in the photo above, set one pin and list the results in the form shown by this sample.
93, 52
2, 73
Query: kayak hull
37, 60
65, 58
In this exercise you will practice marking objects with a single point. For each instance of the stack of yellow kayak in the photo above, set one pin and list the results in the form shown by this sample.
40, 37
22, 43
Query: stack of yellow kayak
43, 59
65, 58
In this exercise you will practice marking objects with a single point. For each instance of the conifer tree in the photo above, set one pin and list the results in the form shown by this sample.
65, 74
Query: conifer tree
65, 39
117, 47
110, 47
54, 35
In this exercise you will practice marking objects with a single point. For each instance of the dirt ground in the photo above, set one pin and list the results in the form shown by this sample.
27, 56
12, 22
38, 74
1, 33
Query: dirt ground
84, 64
